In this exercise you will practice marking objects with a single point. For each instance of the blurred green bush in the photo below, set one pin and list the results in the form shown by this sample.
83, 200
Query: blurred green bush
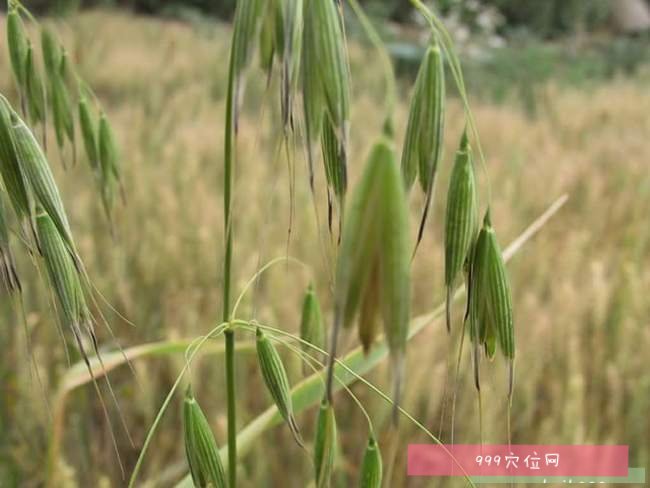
541, 17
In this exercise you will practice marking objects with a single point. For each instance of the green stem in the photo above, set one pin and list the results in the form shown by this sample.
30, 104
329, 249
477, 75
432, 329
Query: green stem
229, 334
232, 416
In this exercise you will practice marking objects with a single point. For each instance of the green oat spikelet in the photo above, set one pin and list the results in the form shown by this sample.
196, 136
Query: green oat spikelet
312, 94
64, 66
13, 176
62, 113
36, 169
499, 299
34, 88
460, 219
331, 58
8, 273
361, 235
56, 70
312, 329
424, 132
491, 314
410, 151
368, 313
17, 44
62, 273
51, 53
108, 165
432, 118
376, 234
326, 83
200, 447
423, 141
277, 381
371, 466
477, 309
88, 132
325, 444
334, 162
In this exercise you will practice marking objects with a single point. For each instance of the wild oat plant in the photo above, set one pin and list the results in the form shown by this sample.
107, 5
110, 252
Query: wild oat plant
303, 42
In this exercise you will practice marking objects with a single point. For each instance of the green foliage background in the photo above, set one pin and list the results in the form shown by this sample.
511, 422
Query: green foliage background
544, 18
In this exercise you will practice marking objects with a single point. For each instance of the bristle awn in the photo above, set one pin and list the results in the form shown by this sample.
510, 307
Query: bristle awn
32, 359
448, 294
277, 381
64, 278
76, 333
200, 446
511, 379
457, 381
91, 333
325, 444
480, 417
397, 366
445, 389
291, 167
371, 466
460, 219
511, 382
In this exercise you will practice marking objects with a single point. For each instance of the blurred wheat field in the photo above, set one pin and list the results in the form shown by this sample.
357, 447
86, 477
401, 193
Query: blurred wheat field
580, 287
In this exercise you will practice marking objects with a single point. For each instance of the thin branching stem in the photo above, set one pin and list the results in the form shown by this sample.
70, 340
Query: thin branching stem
227, 265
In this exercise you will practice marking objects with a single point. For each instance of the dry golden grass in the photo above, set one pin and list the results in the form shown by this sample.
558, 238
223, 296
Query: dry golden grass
580, 287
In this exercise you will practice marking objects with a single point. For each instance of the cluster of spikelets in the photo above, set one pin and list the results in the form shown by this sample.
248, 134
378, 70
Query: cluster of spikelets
476, 252
47, 95
29, 185
36, 202
305, 39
